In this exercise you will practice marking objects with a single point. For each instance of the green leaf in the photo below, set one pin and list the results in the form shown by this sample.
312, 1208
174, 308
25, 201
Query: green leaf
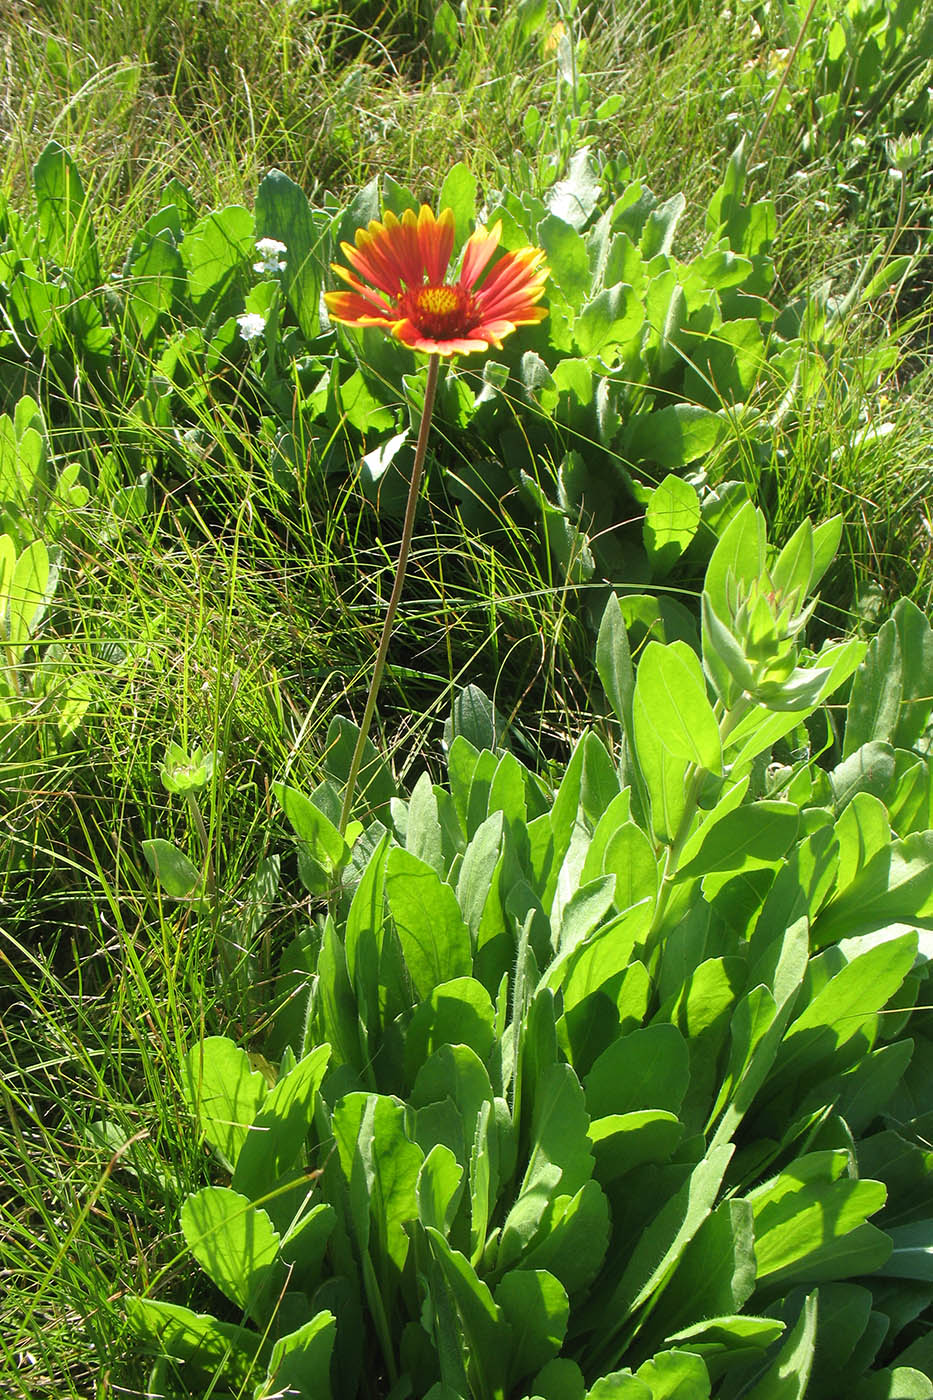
439, 1188
63, 208
434, 938
382, 1165
567, 259
662, 1242
611, 321
675, 1375
650, 1068
322, 851
624, 1141
676, 435
236, 1246
283, 212
810, 1224
375, 785
458, 192
156, 282
455, 1013
300, 1361
574, 198
670, 698
535, 1306
895, 886
486, 1333
786, 1378
213, 252
28, 587
225, 1093
179, 878
912, 1255
748, 838
280, 1130
837, 1013
210, 1348
672, 518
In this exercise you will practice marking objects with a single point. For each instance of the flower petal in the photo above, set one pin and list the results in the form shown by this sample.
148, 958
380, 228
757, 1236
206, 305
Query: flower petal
376, 298
353, 310
409, 334
477, 251
436, 243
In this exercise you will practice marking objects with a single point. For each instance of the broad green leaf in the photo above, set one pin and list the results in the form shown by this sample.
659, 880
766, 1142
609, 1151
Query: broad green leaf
458, 192
895, 1383
647, 1069
375, 785
438, 1188
280, 1130
535, 1305
363, 937
724, 1341
629, 857
716, 1273
156, 282
435, 940
300, 1361
895, 886
382, 1163
283, 212
210, 1348
573, 1238
322, 851
787, 1377
575, 197
839, 1010
676, 435
236, 1246
225, 1093
624, 1141
877, 691
455, 1013
670, 700
672, 518
214, 251
869, 769
63, 209
746, 838
675, 1375
663, 1241
178, 876
560, 1379
486, 1333
912, 1254
567, 259
28, 586
619, 1385
810, 1224
739, 557
609, 322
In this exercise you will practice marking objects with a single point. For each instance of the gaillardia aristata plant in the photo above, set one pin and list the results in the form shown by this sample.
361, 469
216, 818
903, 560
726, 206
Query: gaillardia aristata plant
400, 281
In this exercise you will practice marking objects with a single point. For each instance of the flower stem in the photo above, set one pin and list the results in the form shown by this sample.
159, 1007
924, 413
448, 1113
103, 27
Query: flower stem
379, 666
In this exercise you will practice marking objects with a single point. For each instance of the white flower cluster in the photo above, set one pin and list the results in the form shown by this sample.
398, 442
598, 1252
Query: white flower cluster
251, 325
271, 256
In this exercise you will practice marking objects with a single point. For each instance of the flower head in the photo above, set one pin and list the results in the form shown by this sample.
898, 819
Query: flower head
401, 282
251, 325
271, 255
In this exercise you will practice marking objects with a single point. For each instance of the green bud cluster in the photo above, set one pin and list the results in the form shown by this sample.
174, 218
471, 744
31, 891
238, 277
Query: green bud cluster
755, 608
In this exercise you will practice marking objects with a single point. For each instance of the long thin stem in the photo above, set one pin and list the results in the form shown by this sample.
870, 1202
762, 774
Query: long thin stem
404, 548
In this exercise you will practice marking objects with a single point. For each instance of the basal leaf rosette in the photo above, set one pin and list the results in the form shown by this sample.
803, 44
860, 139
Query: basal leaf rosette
400, 280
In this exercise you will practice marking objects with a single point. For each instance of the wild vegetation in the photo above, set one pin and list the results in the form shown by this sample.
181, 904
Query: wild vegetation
592, 1056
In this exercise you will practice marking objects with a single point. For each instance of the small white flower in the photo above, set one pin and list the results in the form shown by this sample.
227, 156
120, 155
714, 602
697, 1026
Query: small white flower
251, 325
271, 255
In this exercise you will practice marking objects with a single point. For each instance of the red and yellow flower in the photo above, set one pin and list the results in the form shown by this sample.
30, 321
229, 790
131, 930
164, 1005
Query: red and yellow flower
400, 280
